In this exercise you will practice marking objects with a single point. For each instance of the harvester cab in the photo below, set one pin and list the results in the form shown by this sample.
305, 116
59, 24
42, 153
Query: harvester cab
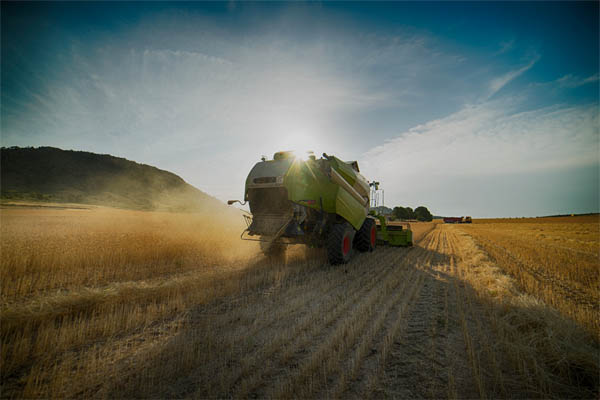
321, 202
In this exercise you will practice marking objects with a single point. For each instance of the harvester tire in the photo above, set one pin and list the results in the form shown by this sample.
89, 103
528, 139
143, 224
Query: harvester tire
366, 237
339, 243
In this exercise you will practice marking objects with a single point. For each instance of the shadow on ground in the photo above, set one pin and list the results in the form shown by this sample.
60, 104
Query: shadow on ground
452, 341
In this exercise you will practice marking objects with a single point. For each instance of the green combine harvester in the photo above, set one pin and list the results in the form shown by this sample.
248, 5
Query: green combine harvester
321, 202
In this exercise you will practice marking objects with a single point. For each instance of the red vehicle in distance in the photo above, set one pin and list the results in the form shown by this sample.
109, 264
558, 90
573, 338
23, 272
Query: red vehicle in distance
457, 220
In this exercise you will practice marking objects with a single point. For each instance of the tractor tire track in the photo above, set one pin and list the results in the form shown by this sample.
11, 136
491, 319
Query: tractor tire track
364, 363
428, 359
246, 374
392, 323
357, 331
299, 349
298, 356
363, 359
313, 328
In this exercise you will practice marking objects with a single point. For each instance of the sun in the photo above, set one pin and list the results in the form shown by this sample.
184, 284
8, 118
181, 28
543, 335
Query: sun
301, 145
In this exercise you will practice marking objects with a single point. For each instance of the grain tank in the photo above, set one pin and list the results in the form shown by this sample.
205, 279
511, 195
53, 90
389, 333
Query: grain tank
319, 202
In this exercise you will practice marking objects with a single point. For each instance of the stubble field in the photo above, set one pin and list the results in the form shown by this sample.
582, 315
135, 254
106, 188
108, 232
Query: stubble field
111, 303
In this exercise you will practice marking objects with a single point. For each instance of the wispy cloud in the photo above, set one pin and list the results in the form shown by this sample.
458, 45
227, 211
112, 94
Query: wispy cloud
492, 138
486, 141
185, 105
498, 83
506, 46
186, 91
570, 81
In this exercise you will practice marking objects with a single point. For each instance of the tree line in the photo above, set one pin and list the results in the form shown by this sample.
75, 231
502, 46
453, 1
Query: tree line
420, 213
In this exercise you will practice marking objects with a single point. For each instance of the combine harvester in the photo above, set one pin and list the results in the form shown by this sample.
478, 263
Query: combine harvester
321, 202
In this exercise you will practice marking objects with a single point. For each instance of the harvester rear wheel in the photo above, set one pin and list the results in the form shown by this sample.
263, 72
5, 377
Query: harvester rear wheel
366, 237
339, 243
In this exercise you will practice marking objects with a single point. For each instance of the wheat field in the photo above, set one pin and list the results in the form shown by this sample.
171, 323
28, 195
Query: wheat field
555, 259
108, 303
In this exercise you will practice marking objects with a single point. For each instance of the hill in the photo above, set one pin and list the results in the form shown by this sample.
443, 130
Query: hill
55, 175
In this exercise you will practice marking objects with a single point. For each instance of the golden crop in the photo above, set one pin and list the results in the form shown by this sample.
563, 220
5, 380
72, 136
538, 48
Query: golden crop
72, 278
554, 259
111, 303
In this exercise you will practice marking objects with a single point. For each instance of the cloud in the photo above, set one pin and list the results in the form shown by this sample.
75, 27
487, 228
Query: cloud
198, 93
484, 142
506, 47
491, 138
569, 81
205, 98
498, 83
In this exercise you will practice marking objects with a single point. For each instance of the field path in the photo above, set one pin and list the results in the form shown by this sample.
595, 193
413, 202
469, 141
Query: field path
393, 323
428, 356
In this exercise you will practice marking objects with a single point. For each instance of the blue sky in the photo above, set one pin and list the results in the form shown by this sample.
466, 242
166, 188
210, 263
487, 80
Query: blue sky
474, 108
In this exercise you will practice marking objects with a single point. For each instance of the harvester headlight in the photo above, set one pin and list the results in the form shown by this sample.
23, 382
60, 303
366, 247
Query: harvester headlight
279, 179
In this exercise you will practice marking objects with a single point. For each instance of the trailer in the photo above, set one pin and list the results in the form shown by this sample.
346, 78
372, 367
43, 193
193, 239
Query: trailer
453, 220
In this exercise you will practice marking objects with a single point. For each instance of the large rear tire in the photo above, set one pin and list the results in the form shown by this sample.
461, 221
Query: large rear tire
339, 243
366, 237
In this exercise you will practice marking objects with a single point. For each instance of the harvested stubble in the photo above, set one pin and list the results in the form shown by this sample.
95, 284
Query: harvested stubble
200, 314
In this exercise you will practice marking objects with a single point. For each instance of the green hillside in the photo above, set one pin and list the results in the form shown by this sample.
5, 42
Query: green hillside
53, 175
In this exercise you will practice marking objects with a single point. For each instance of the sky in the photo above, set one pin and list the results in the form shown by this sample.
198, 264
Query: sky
469, 108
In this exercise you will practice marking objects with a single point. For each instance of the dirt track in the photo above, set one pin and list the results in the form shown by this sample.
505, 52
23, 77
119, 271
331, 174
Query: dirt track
394, 323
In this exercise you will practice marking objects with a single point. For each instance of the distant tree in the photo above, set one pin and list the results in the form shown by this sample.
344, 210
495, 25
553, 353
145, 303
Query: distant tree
423, 214
420, 213
403, 213
399, 213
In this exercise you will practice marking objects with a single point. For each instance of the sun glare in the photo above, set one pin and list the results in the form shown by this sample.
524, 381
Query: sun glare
301, 145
